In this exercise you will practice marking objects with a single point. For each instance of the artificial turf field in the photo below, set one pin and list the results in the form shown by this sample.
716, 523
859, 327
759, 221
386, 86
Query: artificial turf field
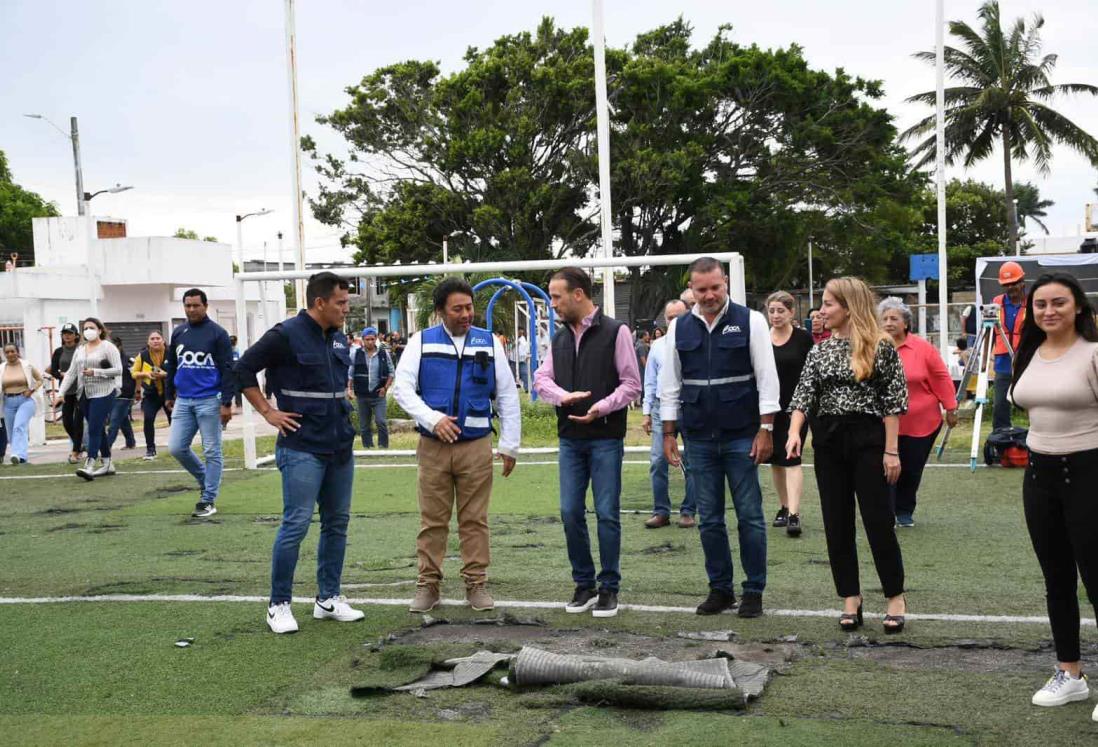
109, 672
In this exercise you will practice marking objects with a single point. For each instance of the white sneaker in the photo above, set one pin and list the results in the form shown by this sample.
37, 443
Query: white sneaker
87, 472
336, 608
1062, 688
107, 468
280, 618
1094, 714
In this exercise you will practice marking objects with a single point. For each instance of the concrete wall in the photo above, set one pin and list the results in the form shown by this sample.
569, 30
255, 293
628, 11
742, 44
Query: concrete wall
148, 260
63, 240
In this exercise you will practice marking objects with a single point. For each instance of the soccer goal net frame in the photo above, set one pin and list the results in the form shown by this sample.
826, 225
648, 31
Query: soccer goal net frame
733, 261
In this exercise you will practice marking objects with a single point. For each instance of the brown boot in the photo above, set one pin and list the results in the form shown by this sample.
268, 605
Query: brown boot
656, 521
686, 521
426, 598
478, 598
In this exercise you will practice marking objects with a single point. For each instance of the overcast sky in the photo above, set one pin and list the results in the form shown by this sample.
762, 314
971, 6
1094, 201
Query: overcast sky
188, 102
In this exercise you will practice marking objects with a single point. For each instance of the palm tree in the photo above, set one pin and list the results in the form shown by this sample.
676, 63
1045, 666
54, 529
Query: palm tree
1002, 101
1027, 199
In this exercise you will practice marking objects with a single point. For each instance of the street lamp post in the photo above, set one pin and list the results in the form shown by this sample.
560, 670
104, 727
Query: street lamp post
240, 237
74, 137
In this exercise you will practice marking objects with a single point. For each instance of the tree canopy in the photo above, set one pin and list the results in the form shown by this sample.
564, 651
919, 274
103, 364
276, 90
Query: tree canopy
18, 207
725, 147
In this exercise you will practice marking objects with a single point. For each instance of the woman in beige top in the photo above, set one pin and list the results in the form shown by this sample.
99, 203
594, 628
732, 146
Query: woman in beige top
1056, 382
20, 380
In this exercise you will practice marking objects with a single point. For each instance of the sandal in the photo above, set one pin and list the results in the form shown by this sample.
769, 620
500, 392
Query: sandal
74, 457
895, 623
851, 621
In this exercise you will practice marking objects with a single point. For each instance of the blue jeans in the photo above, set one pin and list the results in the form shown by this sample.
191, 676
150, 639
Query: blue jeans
714, 462
597, 461
524, 374
190, 416
120, 420
309, 481
18, 411
373, 408
96, 411
657, 470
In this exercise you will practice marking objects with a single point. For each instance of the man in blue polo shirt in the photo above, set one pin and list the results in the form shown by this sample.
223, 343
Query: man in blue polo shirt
199, 394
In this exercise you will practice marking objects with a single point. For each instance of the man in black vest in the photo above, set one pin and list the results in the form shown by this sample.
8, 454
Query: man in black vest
719, 387
591, 375
306, 359
370, 379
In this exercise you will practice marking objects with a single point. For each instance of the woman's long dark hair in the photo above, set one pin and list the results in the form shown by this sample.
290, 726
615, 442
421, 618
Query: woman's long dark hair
1033, 336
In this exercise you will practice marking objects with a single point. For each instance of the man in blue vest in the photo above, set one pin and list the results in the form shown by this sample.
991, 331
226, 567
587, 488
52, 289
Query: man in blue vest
306, 359
447, 379
590, 373
370, 377
719, 387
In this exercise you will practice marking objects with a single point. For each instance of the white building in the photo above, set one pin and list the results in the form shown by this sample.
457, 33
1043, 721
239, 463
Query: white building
88, 266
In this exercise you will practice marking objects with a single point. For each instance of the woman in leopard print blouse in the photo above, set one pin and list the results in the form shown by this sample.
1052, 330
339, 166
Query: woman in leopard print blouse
854, 389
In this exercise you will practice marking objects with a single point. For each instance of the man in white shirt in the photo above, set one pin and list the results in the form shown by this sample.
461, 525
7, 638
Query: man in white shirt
719, 387
446, 380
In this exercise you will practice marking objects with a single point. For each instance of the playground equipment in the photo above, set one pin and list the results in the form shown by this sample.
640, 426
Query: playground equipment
523, 289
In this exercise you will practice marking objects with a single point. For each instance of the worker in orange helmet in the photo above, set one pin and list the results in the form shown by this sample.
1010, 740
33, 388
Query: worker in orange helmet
1012, 313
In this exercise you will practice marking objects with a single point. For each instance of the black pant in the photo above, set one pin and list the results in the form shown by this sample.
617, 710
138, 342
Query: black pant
1000, 411
849, 457
72, 418
151, 404
1062, 518
914, 451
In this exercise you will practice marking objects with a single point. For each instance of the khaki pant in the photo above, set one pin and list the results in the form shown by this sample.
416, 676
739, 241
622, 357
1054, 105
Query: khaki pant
449, 473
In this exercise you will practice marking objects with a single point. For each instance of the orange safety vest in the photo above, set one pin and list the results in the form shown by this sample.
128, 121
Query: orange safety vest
1015, 334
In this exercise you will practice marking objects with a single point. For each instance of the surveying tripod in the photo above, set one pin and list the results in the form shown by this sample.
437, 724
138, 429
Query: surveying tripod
981, 359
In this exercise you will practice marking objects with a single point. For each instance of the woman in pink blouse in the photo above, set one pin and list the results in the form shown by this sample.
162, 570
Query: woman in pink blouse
929, 390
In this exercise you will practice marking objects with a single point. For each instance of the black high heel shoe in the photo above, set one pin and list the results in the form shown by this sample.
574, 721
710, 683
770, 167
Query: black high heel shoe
851, 621
895, 623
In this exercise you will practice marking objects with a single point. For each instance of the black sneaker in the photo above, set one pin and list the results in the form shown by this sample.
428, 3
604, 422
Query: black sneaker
782, 518
203, 509
150, 455
793, 528
607, 605
582, 600
752, 604
718, 601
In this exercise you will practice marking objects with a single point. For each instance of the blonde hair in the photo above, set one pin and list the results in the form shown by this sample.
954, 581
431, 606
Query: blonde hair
865, 331
785, 299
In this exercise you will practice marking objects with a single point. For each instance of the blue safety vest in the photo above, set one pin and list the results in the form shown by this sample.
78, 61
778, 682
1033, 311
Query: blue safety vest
314, 385
459, 383
719, 397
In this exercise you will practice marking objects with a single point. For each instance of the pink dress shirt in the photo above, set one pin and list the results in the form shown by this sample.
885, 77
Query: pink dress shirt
928, 386
625, 359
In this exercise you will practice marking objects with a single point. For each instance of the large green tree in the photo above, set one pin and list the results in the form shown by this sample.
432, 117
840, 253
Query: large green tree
1003, 101
718, 148
18, 207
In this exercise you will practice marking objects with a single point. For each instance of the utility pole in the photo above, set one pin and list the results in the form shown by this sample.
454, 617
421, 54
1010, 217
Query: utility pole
75, 137
295, 148
939, 152
602, 113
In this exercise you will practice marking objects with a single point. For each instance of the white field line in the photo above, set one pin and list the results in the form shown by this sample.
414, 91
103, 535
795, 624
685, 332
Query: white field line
381, 602
377, 466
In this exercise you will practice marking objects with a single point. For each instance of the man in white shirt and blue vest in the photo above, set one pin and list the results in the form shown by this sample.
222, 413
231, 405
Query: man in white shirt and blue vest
719, 388
447, 380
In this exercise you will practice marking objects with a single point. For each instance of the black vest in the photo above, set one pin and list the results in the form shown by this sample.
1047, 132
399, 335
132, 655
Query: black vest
591, 370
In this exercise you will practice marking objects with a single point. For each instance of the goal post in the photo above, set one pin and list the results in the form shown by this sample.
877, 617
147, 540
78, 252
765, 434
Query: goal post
737, 290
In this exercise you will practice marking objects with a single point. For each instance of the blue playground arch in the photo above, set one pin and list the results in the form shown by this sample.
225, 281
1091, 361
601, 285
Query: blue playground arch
523, 289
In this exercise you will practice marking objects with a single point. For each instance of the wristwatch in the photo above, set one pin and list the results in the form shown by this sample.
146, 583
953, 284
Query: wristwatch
766, 427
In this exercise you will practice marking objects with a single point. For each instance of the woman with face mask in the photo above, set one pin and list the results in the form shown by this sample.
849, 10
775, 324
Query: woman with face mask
96, 376
17, 400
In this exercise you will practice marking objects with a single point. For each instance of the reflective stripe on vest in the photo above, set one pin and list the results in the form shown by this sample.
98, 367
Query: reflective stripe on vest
714, 382
314, 395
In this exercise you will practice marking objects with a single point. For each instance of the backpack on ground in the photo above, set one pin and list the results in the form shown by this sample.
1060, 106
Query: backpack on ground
1007, 447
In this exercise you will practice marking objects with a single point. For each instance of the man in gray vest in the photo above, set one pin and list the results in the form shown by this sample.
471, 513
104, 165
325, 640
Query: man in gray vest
719, 387
590, 373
